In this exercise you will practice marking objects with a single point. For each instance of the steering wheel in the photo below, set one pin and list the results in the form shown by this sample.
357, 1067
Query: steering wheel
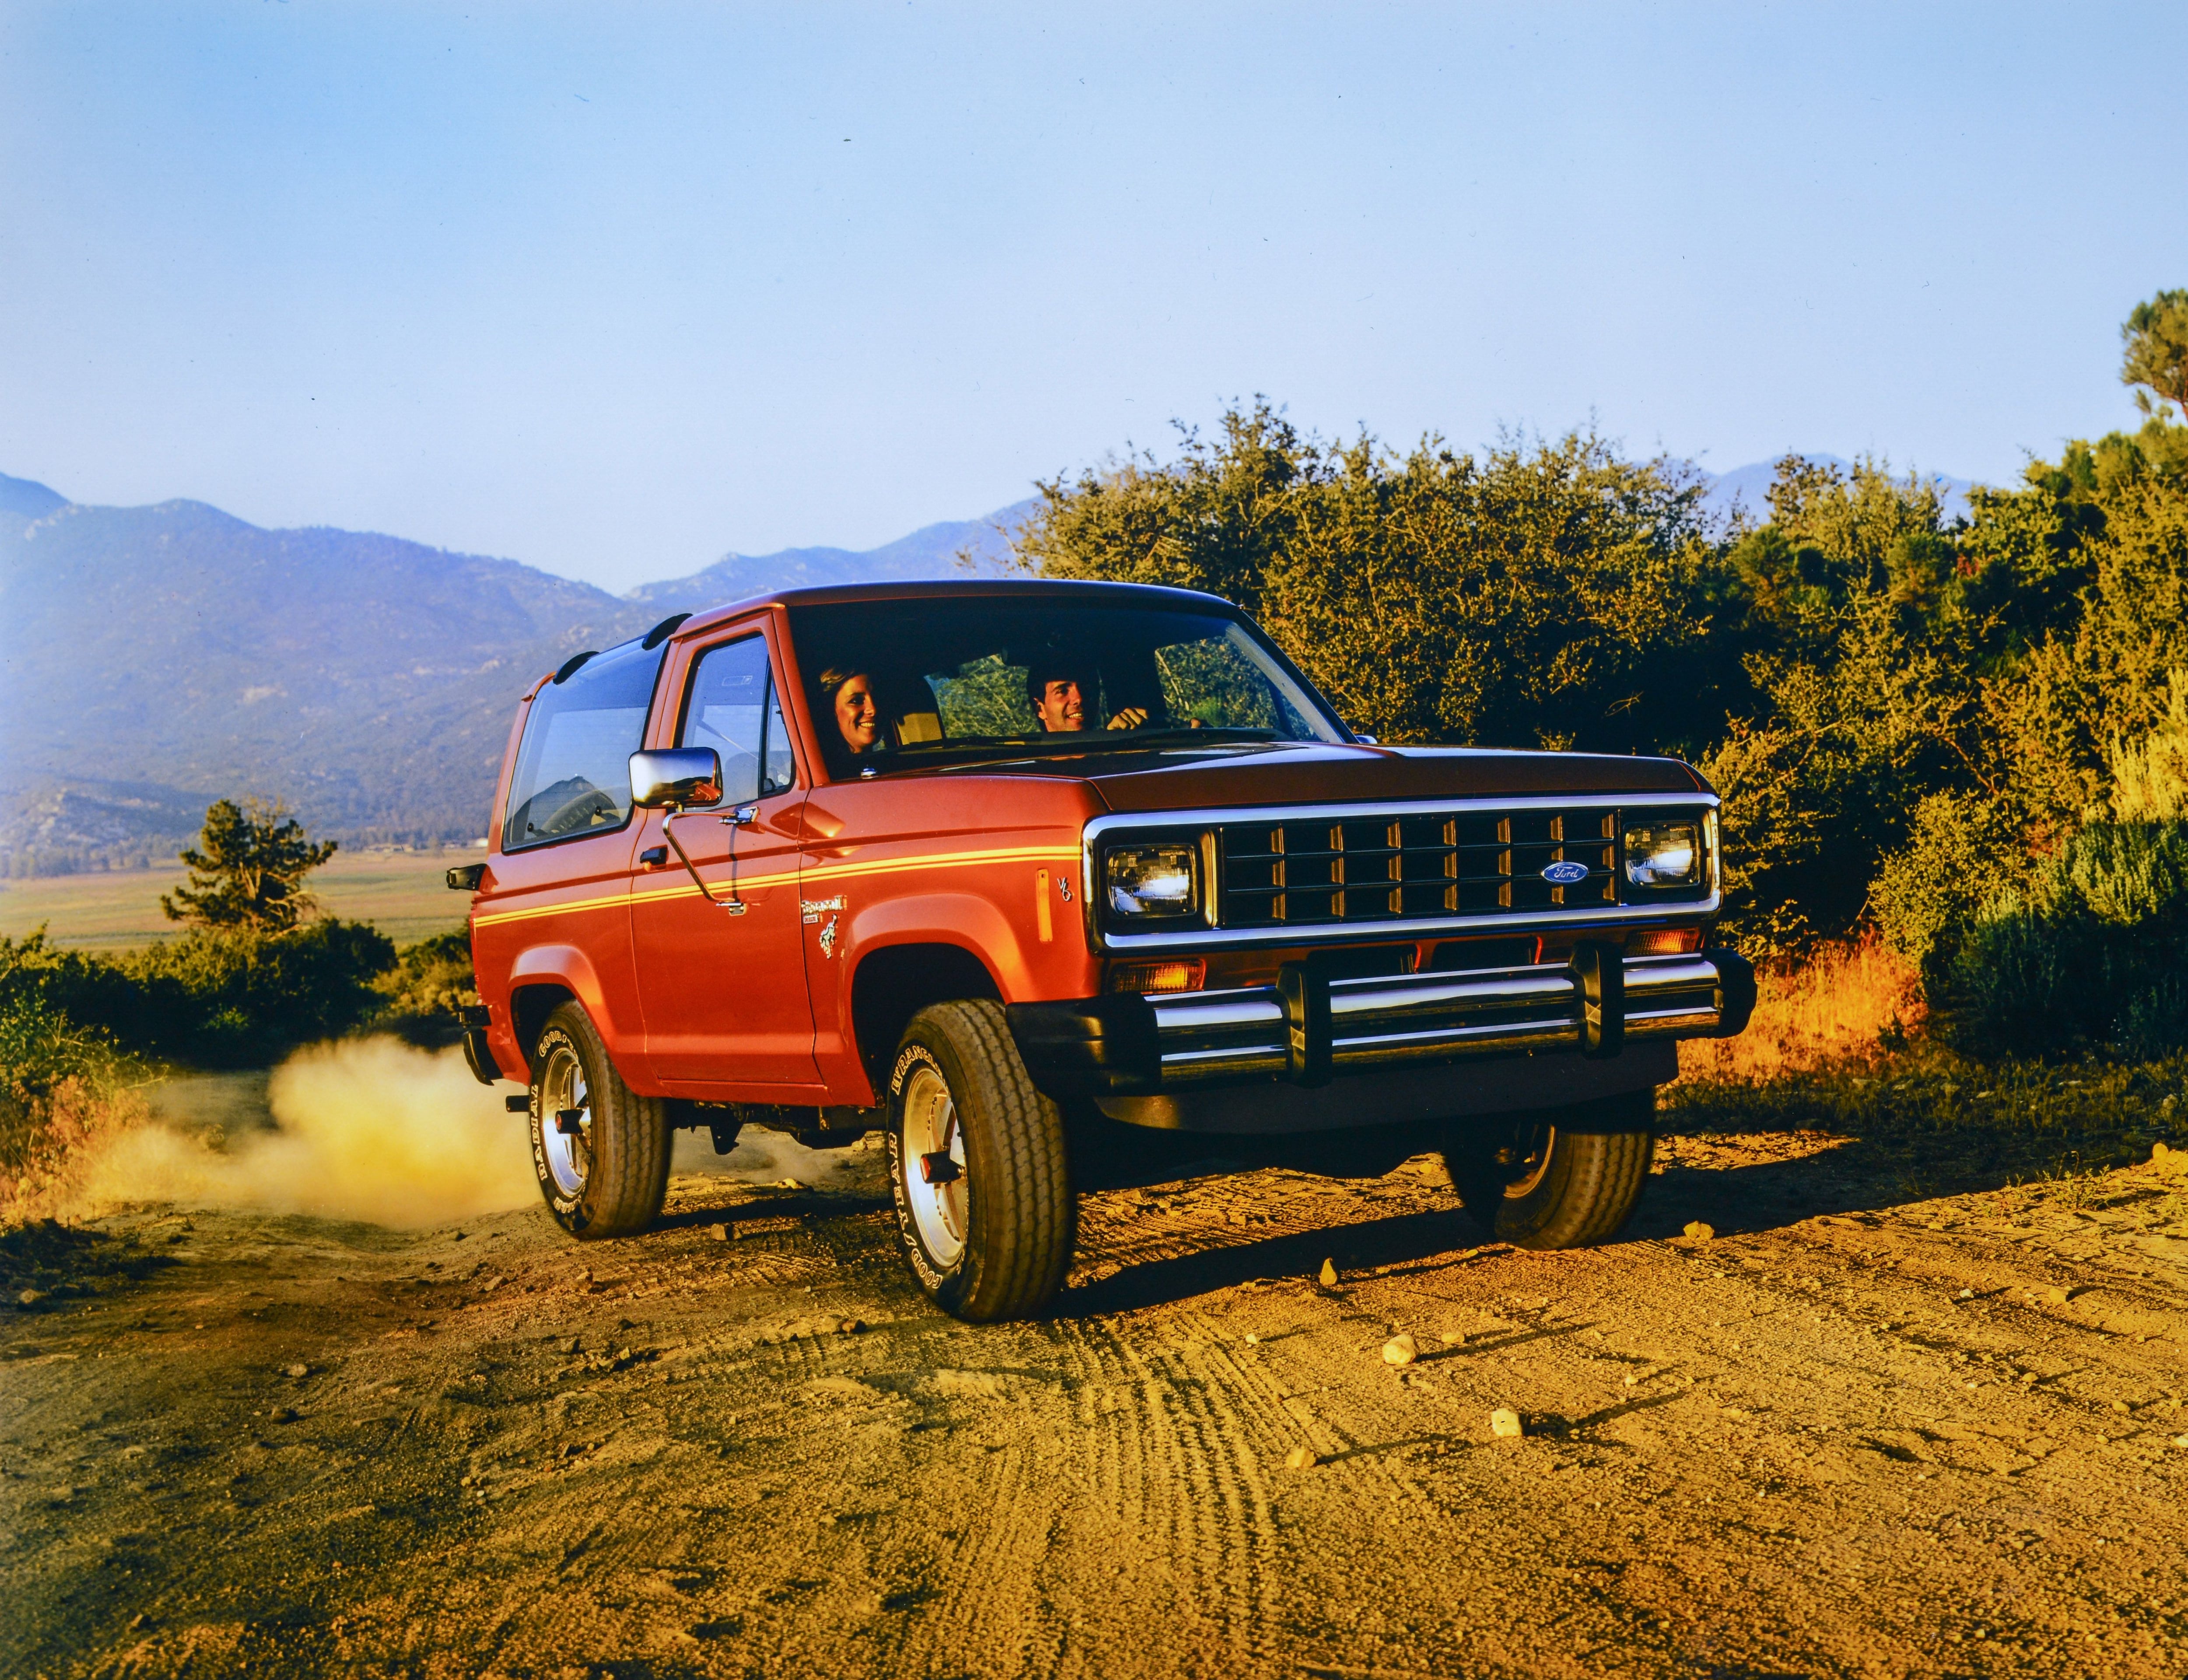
579, 812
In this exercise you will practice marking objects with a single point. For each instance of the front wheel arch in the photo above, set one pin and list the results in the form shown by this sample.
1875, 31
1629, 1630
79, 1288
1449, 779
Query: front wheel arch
894, 983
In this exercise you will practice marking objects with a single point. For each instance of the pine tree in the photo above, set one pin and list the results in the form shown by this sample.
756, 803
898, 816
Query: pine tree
247, 871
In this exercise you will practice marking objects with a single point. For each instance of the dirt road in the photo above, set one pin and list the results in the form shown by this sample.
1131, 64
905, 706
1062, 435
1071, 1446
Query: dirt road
1856, 1433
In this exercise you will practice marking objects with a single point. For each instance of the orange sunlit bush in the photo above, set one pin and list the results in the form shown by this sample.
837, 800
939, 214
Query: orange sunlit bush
1844, 1000
50, 1138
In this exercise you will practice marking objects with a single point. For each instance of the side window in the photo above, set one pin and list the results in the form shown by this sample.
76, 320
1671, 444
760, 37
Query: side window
732, 709
573, 767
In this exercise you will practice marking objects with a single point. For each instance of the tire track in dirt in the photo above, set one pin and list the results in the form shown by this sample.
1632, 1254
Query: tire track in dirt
1174, 1473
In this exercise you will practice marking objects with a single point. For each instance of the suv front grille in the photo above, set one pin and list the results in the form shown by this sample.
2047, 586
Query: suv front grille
1317, 871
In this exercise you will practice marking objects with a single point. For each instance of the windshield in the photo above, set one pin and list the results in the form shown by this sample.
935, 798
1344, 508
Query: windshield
573, 770
896, 683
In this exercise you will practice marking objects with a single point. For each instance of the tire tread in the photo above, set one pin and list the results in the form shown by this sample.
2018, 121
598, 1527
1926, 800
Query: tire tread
1607, 1147
1019, 1263
635, 1165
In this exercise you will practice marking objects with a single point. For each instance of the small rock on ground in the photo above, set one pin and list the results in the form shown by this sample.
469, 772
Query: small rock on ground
1328, 1274
1700, 1230
1504, 1424
1400, 1350
1301, 1458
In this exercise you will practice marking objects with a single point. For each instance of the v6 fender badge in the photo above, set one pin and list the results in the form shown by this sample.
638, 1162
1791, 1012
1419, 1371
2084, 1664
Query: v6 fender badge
1565, 874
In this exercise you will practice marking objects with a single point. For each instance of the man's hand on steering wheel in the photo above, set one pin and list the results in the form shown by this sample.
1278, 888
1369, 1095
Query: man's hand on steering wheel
1129, 719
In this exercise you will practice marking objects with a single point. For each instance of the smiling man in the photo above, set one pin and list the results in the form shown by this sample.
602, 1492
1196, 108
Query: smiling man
1059, 701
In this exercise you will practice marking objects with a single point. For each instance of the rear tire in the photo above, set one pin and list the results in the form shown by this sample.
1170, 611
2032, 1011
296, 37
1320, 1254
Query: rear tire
994, 1240
1561, 1178
610, 1176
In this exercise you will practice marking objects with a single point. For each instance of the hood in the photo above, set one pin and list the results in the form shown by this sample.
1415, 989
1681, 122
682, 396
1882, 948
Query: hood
1299, 774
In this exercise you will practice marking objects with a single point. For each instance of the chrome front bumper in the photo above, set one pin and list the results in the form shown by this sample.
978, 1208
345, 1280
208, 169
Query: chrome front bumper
1211, 1036
1313, 1026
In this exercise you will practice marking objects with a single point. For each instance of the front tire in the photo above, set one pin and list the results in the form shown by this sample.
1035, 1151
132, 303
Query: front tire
1562, 1178
606, 1175
977, 1167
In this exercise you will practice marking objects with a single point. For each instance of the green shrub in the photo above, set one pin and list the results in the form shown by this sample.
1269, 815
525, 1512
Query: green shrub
40, 1046
213, 998
2087, 955
59, 1081
1931, 890
428, 983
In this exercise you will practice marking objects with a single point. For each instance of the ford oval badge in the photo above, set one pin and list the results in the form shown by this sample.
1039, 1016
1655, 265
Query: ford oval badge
1567, 874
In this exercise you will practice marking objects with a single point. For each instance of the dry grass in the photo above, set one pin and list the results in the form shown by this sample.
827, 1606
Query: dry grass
50, 1143
1845, 1001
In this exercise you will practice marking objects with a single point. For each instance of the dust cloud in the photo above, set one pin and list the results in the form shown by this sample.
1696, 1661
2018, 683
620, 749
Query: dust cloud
760, 1157
369, 1129
374, 1129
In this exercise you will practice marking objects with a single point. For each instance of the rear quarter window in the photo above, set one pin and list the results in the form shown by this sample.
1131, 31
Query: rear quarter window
573, 767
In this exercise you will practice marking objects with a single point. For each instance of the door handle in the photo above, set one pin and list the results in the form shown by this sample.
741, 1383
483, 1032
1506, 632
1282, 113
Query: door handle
743, 817
654, 856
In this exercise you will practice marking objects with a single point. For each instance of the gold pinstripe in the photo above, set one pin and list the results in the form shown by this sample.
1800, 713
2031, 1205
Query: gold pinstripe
836, 872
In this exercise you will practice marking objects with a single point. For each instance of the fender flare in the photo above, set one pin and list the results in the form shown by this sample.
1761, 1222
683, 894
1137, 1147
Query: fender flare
972, 923
567, 966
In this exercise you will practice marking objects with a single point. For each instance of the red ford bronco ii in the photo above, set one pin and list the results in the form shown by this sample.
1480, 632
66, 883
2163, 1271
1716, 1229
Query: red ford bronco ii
1016, 871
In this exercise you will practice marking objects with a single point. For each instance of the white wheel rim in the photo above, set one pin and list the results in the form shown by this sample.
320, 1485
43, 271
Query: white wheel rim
569, 1156
938, 1210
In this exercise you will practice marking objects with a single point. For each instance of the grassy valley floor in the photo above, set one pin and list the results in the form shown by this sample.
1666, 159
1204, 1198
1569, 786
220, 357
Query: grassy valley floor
403, 894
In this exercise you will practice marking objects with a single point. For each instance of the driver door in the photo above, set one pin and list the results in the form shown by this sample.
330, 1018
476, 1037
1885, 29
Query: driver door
723, 975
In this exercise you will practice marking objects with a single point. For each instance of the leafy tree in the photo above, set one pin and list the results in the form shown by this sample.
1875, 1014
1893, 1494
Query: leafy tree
1555, 596
1215, 519
247, 872
2156, 334
1913, 720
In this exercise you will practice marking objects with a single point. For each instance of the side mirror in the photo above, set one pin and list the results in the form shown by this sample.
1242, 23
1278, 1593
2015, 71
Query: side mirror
465, 878
676, 778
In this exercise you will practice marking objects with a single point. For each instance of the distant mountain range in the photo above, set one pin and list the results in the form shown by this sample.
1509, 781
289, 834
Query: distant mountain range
1748, 488
159, 657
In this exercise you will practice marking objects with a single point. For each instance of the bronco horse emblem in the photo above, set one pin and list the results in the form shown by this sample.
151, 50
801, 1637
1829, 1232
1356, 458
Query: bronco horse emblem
812, 910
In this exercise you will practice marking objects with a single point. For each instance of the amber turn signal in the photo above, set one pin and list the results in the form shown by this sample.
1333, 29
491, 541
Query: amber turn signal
1664, 942
1158, 977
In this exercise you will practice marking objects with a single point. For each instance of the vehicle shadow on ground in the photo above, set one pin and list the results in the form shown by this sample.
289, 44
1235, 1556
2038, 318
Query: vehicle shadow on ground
1421, 1241
1845, 1178
733, 1211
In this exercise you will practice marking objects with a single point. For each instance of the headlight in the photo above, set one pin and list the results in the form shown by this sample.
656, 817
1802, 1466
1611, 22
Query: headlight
1153, 880
1664, 853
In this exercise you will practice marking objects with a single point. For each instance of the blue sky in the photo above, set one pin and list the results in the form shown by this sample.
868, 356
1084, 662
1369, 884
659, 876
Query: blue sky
614, 289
